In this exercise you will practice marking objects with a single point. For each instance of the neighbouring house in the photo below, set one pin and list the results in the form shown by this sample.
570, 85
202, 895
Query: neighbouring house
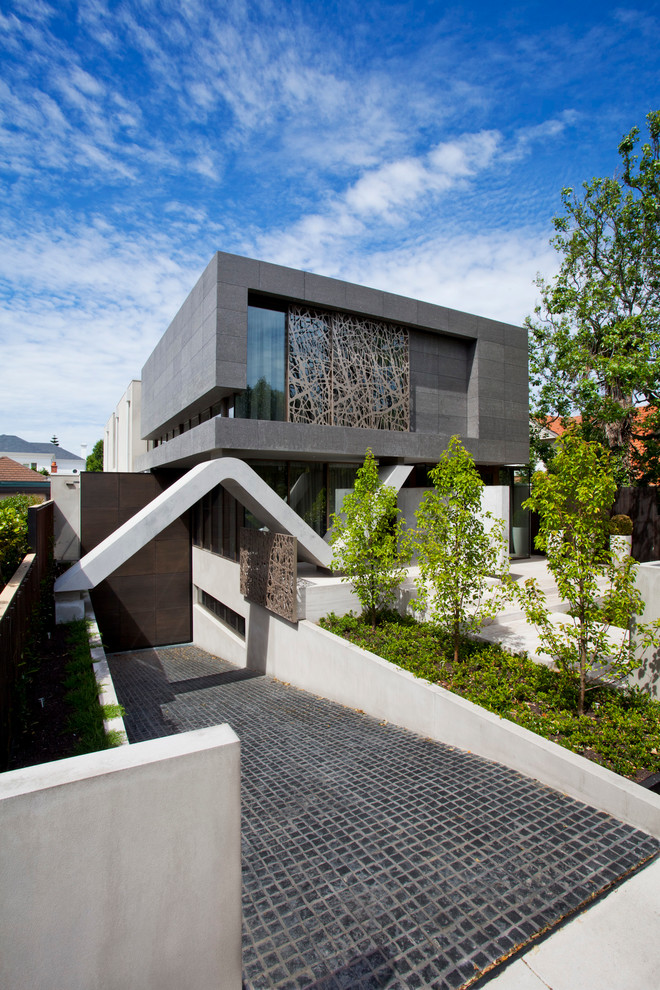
15, 479
37, 456
257, 407
122, 437
644, 432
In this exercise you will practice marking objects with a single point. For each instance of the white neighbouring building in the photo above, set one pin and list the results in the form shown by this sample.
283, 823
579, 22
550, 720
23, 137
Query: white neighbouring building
37, 456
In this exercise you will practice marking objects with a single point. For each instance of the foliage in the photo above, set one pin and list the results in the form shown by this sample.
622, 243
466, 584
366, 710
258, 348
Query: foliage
620, 525
619, 729
94, 460
541, 451
54, 440
87, 714
368, 541
14, 532
573, 502
595, 341
456, 552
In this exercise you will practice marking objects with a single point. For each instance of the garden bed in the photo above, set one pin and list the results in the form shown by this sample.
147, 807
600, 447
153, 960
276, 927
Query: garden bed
620, 730
58, 713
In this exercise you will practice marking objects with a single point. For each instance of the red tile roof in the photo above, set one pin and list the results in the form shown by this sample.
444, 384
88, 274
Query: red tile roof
13, 471
642, 413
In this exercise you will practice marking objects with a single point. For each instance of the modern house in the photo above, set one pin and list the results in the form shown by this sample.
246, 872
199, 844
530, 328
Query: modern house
37, 456
287, 378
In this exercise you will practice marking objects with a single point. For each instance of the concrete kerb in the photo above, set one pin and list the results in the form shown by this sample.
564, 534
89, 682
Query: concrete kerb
107, 694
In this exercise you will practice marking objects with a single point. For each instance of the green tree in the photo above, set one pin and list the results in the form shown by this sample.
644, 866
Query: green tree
574, 502
54, 440
14, 532
456, 549
94, 460
369, 543
595, 339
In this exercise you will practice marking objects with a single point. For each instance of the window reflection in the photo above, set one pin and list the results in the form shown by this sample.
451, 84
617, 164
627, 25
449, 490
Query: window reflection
264, 395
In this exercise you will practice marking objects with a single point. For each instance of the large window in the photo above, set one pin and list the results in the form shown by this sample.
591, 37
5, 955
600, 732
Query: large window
264, 397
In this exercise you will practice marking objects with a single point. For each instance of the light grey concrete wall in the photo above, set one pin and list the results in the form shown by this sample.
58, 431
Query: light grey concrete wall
312, 659
122, 868
320, 662
65, 493
648, 584
495, 500
219, 577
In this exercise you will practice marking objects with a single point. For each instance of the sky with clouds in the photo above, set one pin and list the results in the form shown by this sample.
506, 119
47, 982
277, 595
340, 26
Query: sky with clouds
416, 147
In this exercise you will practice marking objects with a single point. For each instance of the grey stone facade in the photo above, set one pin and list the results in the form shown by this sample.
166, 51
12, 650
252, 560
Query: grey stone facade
468, 376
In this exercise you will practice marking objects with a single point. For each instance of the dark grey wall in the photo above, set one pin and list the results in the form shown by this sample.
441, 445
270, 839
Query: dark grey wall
439, 376
468, 374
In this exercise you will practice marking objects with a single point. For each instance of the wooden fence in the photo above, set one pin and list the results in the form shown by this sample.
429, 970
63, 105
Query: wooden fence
17, 604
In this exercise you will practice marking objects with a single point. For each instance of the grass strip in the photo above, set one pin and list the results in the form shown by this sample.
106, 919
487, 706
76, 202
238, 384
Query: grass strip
87, 715
620, 728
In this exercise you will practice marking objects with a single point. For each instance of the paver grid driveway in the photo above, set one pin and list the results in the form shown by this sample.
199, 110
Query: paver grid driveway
373, 857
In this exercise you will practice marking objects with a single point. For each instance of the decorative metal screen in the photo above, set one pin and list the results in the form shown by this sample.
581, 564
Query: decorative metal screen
269, 573
348, 371
310, 357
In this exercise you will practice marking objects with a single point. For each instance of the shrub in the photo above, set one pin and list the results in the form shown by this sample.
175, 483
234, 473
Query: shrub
621, 526
14, 532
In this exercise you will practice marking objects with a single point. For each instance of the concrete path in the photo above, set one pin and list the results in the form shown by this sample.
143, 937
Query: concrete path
510, 626
373, 857
612, 946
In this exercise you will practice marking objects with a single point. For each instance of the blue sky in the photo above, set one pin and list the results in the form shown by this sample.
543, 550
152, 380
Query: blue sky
417, 147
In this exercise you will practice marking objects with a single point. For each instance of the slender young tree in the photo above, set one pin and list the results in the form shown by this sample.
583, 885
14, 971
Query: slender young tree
456, 548
369, 543
573, 501
595, 337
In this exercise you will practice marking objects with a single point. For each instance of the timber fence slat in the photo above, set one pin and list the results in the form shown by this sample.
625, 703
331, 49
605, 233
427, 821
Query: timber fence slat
17, 603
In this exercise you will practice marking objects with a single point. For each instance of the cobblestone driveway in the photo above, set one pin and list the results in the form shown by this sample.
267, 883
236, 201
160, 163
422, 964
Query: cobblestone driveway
373, 857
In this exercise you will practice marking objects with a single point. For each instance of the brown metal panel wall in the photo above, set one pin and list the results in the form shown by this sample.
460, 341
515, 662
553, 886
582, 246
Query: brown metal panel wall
148, 600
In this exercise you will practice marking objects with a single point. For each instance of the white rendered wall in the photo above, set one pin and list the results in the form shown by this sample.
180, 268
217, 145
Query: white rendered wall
219, 577
494, 499
122, 868
648, 583
122, 441
65, 493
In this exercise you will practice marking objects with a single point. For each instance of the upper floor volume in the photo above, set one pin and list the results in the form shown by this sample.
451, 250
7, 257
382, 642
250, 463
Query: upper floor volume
263, 360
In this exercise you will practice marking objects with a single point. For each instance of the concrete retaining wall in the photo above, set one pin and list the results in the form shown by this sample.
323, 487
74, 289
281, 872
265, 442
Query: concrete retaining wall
647, 676
121, 869
310, 658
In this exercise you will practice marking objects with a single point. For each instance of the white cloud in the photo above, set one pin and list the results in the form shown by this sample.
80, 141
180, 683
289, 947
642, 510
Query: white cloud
86, 309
